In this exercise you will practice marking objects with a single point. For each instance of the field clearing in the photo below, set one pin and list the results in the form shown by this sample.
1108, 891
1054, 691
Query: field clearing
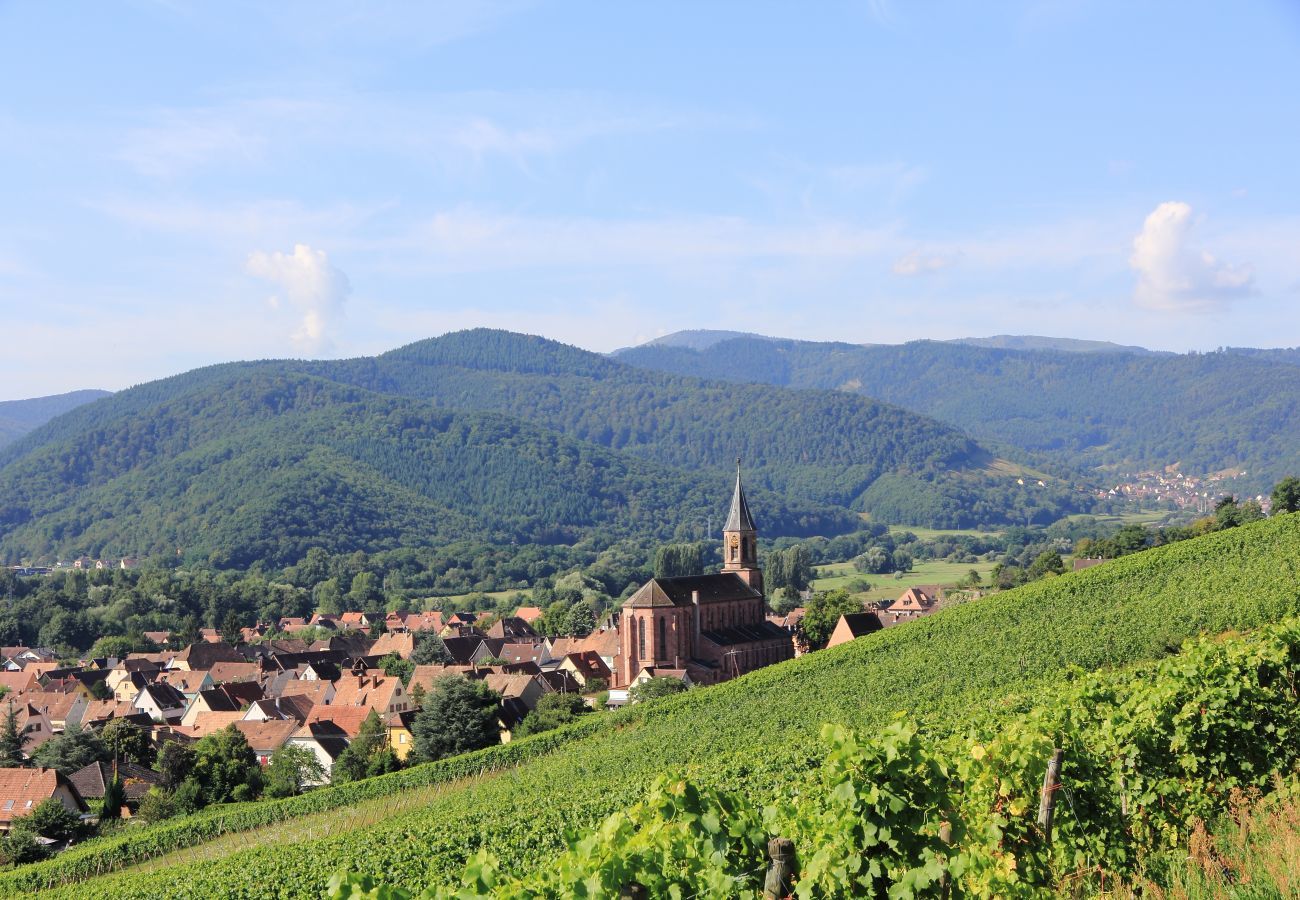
887, 587
930, 534
448, 603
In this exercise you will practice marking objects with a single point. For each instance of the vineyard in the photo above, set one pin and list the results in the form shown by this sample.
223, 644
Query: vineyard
976, 666
1151, 751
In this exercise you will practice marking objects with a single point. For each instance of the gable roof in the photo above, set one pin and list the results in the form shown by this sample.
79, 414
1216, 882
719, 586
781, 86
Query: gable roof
92, 781
164, 696
511, 628
223, 672
22, 789
717, 588
861, 623
914, 599
269, 736
327, 735
588, 664
203, 655
294, 706
347, 718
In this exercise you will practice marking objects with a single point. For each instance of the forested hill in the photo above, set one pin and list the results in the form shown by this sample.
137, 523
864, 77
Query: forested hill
483, 434
1207, 411
17, 417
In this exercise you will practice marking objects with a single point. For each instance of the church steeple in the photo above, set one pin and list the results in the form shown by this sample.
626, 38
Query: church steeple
740, 540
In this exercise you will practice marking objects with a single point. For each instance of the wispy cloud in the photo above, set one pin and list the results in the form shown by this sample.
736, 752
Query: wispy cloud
917, 262
1175, 275
313, 289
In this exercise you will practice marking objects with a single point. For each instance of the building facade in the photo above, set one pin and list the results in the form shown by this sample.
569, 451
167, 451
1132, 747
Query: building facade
714, 627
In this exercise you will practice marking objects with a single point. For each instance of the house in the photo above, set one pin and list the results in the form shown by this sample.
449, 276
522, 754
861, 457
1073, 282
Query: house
99, 713
373, 690
22, 790
325, 739
1088, 563
403, 644
525, 652
203, 656
604, 643
587, 668
60, 709
527, 689
128, 563
322, 670
461, 620
529, 614
290, 624
129, 687
361, 621
267, 737
122, 672
852, 626
235, 697
321, 693
424, 621
561, 681
162, 702
295, 708
17, 682
92, 782
914, 603
512, 628
232, 672
462, 649
33, 723
207, 723
161, 638
648, 673
347, 718
189, 683
400, 738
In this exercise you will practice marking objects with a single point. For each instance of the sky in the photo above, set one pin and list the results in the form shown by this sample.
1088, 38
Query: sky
185, 183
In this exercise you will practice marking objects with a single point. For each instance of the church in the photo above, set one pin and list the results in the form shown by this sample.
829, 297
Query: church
713, 627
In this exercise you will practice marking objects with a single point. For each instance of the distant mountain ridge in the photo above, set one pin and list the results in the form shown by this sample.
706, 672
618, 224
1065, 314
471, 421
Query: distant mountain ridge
483, 435
1091, 411
1067, 345
17, 417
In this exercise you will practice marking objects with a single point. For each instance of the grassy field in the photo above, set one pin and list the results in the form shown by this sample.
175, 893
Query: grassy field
838, 575
929, 534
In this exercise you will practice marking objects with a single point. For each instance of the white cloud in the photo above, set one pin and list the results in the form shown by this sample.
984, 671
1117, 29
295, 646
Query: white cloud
313, 289
918, 263
1173, 274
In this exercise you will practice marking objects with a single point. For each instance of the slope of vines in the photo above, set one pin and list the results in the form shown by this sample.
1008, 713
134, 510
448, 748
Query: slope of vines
757, 736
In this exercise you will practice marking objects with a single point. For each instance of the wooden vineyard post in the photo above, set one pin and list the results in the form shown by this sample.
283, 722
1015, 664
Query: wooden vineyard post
780, 872
945, 881
1047, 805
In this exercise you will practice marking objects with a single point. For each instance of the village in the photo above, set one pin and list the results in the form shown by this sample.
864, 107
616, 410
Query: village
286, 692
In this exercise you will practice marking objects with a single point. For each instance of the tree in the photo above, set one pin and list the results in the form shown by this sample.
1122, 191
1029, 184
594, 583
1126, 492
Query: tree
822, 613
175, 763
653, 688
417, 695
110, 807
230, 629
188, 632
458, 715
225, 767
394, 665
1286, 495
429, 650
328, 597
674, 560
12, 739
156, 805
366, 591
71, 751
291, 770
787, 601
798, 566
582, 620
552, 711
51, 819
357, 759
1046, 563
127, 741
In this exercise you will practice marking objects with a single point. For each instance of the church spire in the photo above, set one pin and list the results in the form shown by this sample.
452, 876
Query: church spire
739, 518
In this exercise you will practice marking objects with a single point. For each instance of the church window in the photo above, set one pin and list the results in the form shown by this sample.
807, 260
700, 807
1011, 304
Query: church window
663, 639
641, 636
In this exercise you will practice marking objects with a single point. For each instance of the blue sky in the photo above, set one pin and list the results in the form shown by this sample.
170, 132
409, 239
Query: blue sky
186, 183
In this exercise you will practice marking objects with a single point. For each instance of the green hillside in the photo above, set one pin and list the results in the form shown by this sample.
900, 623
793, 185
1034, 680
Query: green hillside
261, 466
483, 434
17, 417
756, 735
1207, 411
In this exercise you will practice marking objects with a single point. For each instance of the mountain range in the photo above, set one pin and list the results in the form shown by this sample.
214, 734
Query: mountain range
484, 435
1091, 413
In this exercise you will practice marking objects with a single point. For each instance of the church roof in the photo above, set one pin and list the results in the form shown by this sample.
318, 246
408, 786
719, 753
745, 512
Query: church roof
739, 519
732, 635
677, 591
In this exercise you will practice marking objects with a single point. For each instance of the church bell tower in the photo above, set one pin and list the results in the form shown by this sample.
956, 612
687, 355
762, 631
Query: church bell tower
740, 540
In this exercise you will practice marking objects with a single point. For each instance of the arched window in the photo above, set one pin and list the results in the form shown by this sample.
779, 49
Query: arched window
641, 636
663, 639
